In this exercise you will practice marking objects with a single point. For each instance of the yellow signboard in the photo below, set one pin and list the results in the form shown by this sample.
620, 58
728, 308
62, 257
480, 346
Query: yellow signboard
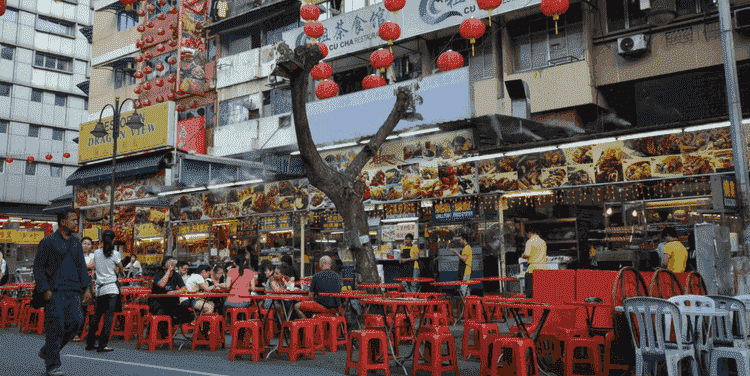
149, 259
158, 130
28, 237
92, 233
148, 230
6, 236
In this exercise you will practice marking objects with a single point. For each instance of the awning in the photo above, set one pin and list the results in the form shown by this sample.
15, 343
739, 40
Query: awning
60, 203
141, 164
151, 202
253, 16
84, 86
88, 32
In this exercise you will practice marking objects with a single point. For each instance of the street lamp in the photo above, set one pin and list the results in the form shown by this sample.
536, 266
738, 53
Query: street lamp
134, 122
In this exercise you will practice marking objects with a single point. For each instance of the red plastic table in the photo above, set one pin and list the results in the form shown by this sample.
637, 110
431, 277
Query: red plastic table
489, 308
415, 280
499, 279
379, 286
460, 313
289, 292
590, 314
273, 295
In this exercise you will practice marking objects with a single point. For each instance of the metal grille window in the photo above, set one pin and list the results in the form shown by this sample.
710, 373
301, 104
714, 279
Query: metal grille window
34, 130
36, 95
55, 171
537, 46
61, 99
123, 77
626, 14
30, 168
53, 26
5, 89
126, 20
7, 52
4, 126
53, 62
58, 134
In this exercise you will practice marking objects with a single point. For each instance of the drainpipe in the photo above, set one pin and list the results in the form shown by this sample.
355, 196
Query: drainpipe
735, 118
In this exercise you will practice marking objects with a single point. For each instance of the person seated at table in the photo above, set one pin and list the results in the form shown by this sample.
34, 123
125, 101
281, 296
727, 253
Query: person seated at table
219, 281
195, 283
134, 267
266, 274
287, 261
182, 269
168, 281
241, 281
324, 281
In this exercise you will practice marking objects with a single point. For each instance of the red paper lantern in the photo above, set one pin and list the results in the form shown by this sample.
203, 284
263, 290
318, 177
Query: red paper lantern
148, 55
389, 31
323, 49
171, 96
381, 59
150, 39
151, 8
172, 79
146, 102
147, 70
327, 89
394, 5
138, 104
30, 159
180, 108
314, 30
137, 90
173, 10
66, 155
161, 30
450, 60
489, 6
554, 8
138, 75
150, 24
162, 3
147, 86
310, 12
172, 60
48, 156
128, 3
321, 71
173, 26
472, 29
141, 28
162, 16
373, 81
172, 43
161, 47
159, 67
159, 99
159, 82
9, 160
141, 13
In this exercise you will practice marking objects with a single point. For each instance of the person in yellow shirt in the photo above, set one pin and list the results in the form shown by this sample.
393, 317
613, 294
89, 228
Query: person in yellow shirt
675, 253
464, 263
536, 255
413, 252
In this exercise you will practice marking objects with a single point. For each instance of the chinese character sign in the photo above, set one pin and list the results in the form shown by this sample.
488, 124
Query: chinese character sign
192, 54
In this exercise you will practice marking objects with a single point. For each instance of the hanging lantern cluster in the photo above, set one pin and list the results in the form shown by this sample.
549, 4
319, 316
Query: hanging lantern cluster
128, 3
554, 8
472, 29
450, 60
309, 12
389, 32
321, 71
489, 6
381, 59
326, 89
372, 81
394, 5
314, 30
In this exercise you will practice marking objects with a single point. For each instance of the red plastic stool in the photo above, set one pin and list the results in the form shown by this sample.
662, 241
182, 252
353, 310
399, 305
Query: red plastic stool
33, 320
209, 330
402, 329
481, 331
514, 352
271, 325
252, 342
233, 314
434, 358
130, 320
9, 311
143, 309
153, 337
473, 309
301, 339
319, 342
334, 328
368, 352
593, 357
89, 312
436, 319
373, 320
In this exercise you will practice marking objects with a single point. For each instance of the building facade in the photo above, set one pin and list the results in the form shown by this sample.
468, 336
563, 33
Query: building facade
44, 57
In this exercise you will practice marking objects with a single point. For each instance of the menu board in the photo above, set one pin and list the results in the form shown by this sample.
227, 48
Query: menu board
148, 230
194, 228
402, 210
454, 211
276, 223
333, 222
126, 189
247, 227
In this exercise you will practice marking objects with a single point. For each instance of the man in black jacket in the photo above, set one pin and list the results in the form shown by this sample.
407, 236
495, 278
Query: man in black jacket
60, 273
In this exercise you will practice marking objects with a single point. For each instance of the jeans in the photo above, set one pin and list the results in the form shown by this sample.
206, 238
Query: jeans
105, 308
62, 318
413, 287
528, 282
465, 288
228, 305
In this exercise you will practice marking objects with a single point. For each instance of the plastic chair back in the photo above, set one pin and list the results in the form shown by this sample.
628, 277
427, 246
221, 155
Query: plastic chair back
691, 306
725, 327
648, 317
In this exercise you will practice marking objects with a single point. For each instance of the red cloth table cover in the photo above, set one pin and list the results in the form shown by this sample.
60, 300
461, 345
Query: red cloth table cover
379, 285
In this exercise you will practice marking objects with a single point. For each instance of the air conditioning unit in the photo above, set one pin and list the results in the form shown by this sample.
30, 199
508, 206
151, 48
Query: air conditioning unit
742, 18
129, 67
633, 45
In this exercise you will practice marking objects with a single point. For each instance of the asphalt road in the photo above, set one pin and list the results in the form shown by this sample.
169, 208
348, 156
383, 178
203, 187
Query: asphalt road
18, 356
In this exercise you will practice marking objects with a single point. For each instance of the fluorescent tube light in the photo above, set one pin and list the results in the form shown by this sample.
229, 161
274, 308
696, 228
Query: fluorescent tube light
294, 152
707, 126
364, 141
337, 146
420, 131
217, 186
392, 137
480, 157
279, 231
337, 232
186, 190
153, 238
650, 134
586, 143
529, 151
528, 193
407, 219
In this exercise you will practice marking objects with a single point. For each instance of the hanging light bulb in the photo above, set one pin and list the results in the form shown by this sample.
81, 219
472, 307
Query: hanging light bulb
635, 213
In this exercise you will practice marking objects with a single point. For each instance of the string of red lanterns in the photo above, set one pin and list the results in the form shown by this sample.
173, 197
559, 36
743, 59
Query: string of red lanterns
31, 158
554, 8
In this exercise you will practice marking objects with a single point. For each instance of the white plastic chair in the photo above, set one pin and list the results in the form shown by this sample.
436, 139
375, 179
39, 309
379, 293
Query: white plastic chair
648, 318
727, 344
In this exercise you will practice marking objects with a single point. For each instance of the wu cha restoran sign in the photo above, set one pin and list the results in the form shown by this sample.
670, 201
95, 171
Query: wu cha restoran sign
157, 131
358, 30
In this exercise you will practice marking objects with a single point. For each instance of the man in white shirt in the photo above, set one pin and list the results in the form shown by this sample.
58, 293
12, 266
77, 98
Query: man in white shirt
134, 266
224, 253
195, 283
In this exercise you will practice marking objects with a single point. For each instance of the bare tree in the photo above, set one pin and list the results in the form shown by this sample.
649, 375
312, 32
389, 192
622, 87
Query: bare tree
345, 189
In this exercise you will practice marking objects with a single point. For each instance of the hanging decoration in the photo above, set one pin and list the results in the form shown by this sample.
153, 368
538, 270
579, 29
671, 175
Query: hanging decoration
148, 70
489, 6
141, 12
326, 89
147, 86
172, 60
139, 58
323, 49
159, 66
162, 17
310, 12
159, 82
151, 8
389, 32
372, 81
66, 155
554, 8
321, 71
394, 5
30, 158
173, 26
137, 91
141, 28
172, 79
171, 96
381, 59
150, 39
138, 75
314, 30
146, 102
159, 99
48, 156
450, 60
161, 30
173, 10
150, 24
472, 29
161, 47
9, 160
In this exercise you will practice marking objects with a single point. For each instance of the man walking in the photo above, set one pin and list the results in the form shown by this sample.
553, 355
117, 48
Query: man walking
465, 260
61, 274
536, 254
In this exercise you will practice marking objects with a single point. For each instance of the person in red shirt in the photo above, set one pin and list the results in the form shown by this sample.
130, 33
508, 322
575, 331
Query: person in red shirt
241, 281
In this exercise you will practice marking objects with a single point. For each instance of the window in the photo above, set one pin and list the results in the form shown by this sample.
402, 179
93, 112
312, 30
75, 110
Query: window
350, 81
60, 99
36, 95
57, 134
86, 104
6, 52
124, 76
232, 44
537, 46
5, 89
55, 171
34, 130
162, 9
4, 126
49, 25
626, 14
10, 15
238, 110
30, 168
126, 20
53, 62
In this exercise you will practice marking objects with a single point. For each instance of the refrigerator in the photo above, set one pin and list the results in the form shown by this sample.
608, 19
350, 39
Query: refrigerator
713, 258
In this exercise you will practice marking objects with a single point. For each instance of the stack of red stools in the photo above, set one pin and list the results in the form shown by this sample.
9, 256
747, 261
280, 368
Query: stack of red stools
209, 330
31, 319
251, 342
481, 331
369, 353
131, 325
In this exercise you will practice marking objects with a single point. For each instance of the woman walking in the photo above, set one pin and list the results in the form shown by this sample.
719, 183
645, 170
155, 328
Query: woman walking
108, 265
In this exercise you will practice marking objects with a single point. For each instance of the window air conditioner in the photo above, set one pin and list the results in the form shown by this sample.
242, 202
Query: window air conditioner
632, 45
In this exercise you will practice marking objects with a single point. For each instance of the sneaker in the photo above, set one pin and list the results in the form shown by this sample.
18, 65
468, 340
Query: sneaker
77, 339
104, 349
55, 372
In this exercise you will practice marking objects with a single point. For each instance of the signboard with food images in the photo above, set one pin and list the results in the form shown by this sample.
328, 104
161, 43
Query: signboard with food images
126, 189
402, 210
6, 236
454, 211
333, 222
187, 207
202, 227
247, 228
276, 222
148, 230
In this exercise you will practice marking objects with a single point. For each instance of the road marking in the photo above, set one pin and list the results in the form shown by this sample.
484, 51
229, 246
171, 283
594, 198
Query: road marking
147, 365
